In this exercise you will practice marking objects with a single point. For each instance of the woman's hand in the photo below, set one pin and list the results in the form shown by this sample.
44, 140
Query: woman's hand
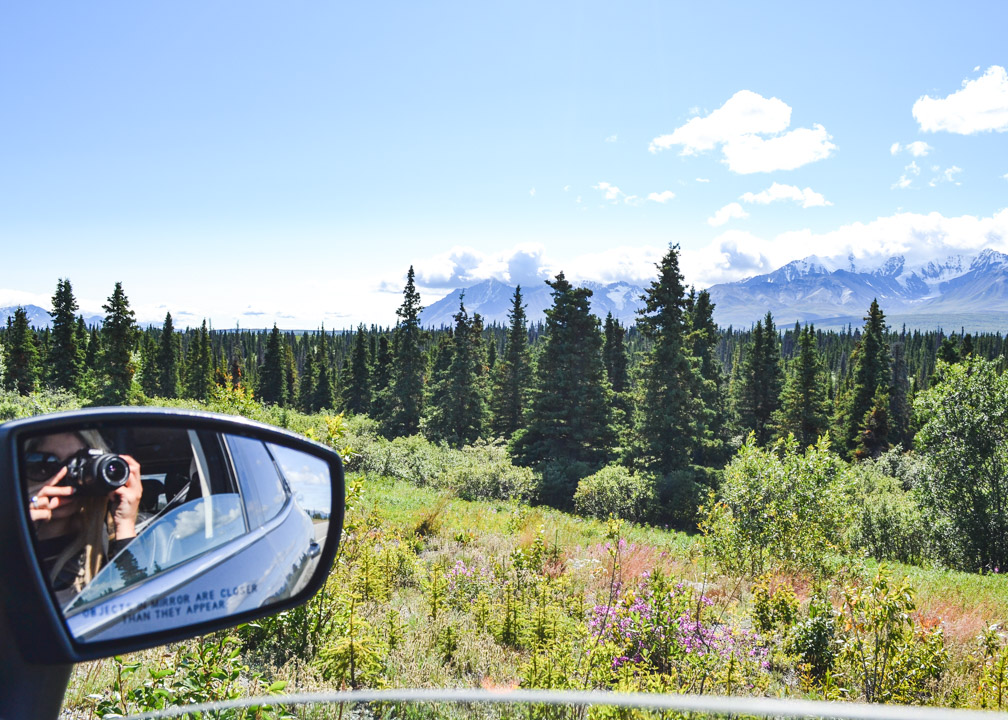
126, 502
52, 501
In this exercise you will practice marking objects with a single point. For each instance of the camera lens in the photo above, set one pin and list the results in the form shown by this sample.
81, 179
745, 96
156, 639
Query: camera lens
115, 471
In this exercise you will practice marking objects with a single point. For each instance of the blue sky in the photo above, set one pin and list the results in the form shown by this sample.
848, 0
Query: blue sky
256, 162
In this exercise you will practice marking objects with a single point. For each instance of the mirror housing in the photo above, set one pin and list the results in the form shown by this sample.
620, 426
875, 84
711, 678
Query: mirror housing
52, 630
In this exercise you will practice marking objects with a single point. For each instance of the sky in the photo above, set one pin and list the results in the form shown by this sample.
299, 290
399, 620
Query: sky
253, 163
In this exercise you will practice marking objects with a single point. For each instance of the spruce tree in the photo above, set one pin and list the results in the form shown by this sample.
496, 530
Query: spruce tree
272, 379
357, 392
199, 372
760, 381
148, 374
870, 373
459, 398
670, 385
614, 354
169, 352
569, 416
512, 373
381, 377
306, 388
324, 391
711, 425
290, 375
21, 361
406, 391
65, 356
804, 410
900, 403
118, 336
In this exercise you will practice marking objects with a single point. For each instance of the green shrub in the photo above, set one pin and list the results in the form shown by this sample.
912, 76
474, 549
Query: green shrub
560, 480
680, 494
778, 506
616, 490
14, 405
888, 522
814, 640
483, 471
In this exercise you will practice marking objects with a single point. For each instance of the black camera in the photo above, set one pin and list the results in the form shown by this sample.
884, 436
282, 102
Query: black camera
94, 472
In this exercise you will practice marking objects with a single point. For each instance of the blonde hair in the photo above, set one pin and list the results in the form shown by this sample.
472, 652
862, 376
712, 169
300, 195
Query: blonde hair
90, 546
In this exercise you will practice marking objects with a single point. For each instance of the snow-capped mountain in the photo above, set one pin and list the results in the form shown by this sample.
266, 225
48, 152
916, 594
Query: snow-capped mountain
492, 299
948, 292
40, 318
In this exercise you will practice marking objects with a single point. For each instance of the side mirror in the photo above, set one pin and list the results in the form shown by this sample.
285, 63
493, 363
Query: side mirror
140, 527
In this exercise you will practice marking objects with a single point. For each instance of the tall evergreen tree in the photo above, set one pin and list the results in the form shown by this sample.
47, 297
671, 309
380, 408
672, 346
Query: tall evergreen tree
325, 396
118, 336
512, 373
760, 382
670, 385
569, 415
381, 378
290, 374
870, 372
65, 357
711, 423
199, 370
458, 411
148, 374
357, 392
614, 354
406, 391
900, 403
272, 378
169, 352
21, 361
306, 388
804, 410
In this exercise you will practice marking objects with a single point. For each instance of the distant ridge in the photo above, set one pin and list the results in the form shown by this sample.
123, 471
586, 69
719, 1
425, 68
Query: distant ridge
39, 318
959, 290
492, 299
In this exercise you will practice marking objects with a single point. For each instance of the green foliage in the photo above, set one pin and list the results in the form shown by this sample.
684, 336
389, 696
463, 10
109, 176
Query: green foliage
867, 392
814, 639
169, 354
618, 491
403, 400
670, 404
118, 337
21, 355
199, 368
357, 390
780, 506
758, 384
272, 379
14, 405
775, 606
886, 656
512, 374
65, 356
887, 521
964, 437
569, 417
458, 411
803, 408
483, 471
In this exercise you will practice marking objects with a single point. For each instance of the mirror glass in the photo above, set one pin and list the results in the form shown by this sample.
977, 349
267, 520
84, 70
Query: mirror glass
143, 529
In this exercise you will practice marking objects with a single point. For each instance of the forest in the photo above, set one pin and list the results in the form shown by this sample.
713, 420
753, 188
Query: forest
716, 509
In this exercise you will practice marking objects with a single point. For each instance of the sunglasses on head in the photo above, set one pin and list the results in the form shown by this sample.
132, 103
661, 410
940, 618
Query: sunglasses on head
40, 466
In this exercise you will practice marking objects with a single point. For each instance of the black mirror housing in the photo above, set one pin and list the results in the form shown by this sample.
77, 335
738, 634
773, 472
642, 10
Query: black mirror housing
51, 630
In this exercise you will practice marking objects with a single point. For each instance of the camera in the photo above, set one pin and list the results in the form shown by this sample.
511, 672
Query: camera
94, 472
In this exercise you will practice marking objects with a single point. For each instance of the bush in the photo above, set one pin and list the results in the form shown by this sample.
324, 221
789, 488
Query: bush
778, 506
14, 406
680, 494
484, 472
560, 480
618, 491
888, 523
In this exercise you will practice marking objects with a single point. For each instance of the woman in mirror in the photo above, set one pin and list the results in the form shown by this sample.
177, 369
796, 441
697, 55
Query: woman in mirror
79, 521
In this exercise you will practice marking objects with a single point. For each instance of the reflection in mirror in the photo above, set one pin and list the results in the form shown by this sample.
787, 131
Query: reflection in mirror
141, 529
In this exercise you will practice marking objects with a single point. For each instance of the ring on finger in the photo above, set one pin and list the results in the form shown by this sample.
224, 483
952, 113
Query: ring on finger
35, 501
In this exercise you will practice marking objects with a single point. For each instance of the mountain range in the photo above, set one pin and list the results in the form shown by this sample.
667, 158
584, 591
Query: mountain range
40, 318
958, 290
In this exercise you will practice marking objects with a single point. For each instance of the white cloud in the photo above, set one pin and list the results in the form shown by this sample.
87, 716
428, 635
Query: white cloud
980, 106
918, 238
663, 197
703, 180
906, 179
610, 191
532, 192
744, 113
948, 175
1005, 176
916, 148
806, 198
731, 211
612, 138
566, 188
738, 127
